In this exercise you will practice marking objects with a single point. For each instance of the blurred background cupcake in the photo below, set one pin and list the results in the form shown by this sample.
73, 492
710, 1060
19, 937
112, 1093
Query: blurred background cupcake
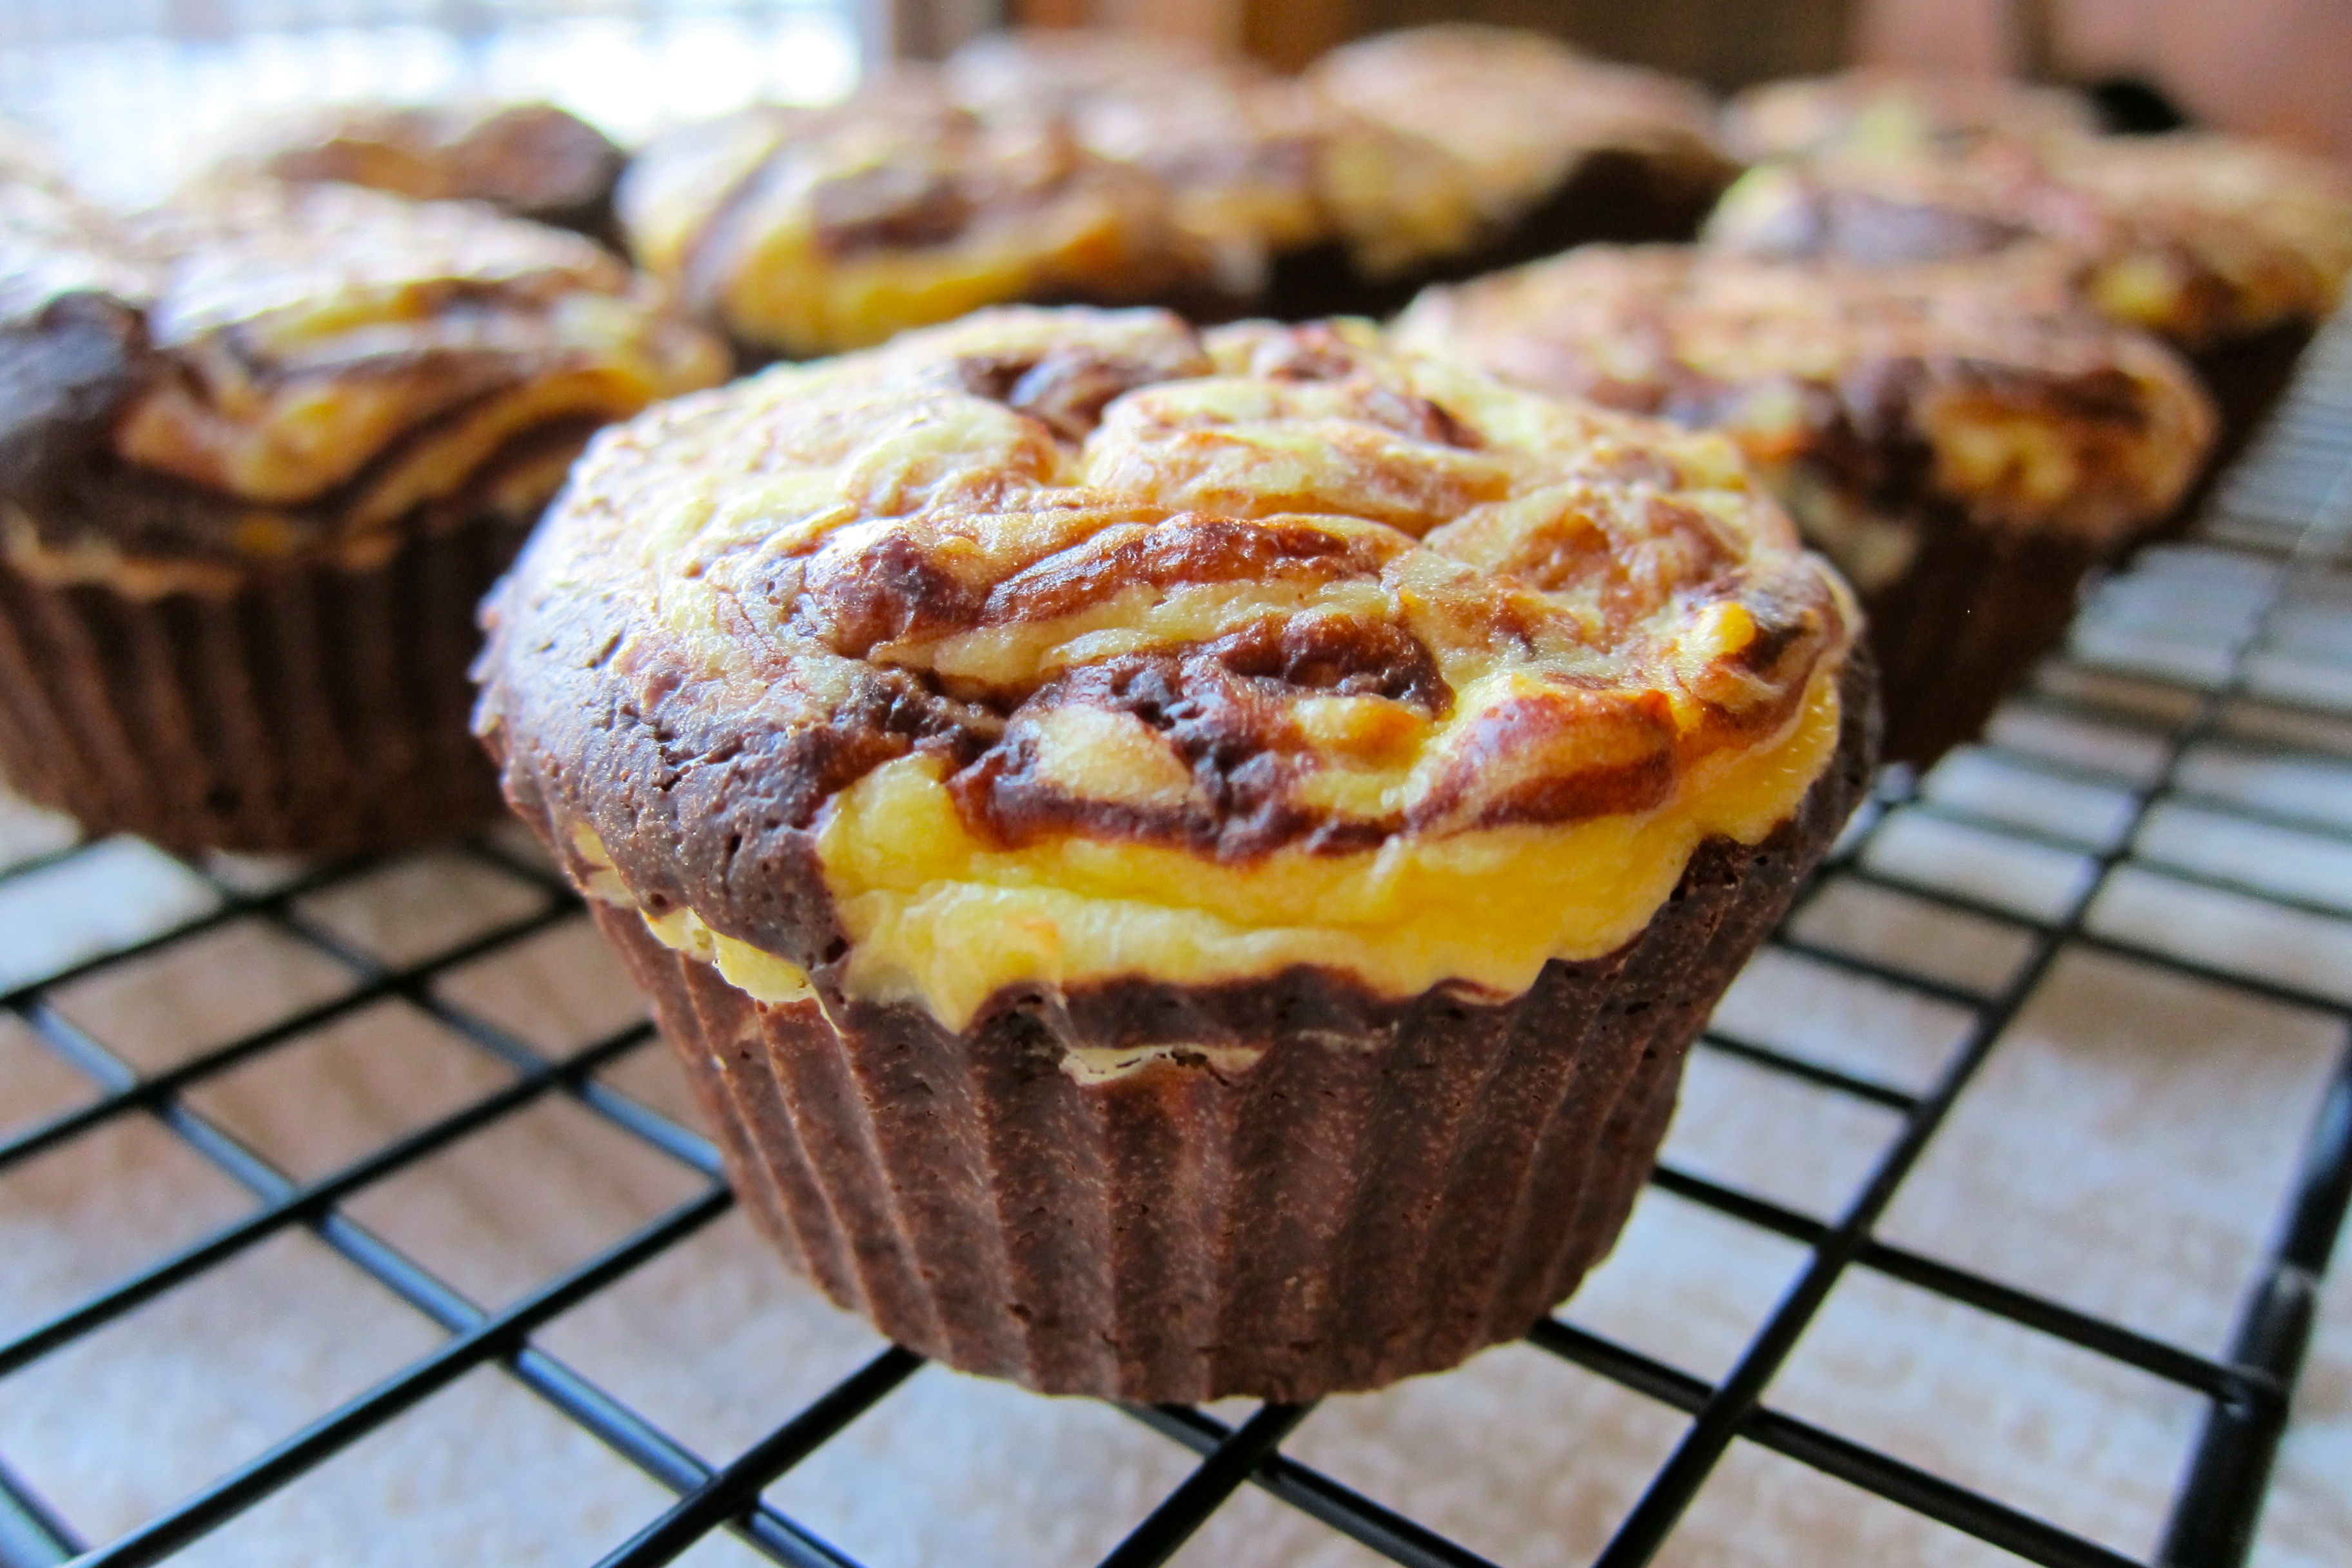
262, 451
2233, 251
1240, 149
1119, 168
1550, 148
529, 160
1963, 439
807, 231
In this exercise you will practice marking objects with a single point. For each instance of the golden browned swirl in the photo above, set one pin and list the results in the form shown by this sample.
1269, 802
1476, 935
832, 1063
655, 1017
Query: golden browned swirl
1060, 645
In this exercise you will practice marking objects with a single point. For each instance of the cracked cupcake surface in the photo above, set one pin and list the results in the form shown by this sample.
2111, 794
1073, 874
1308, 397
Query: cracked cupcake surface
1964, 439
1856, 390
1061, 647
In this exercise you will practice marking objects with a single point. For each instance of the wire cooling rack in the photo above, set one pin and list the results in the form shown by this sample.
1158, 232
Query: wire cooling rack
2200, 662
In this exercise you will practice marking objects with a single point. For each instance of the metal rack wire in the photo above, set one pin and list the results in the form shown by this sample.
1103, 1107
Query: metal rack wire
2273, 555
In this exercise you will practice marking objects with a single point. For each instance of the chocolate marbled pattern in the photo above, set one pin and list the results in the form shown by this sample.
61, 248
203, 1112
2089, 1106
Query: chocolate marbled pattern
1867, 374
804, 231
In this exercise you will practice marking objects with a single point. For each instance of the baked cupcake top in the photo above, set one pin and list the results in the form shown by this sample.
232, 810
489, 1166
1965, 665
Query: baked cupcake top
1519, 111
1874, 108
806, 231
2202, 239
1060, 648
1236, 146
1983, 385
534, 159
272, 371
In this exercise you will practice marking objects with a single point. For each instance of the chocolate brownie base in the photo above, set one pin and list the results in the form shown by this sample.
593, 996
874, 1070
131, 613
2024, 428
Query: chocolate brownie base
309, 711
2246, 378
1965, 625
1387, 1188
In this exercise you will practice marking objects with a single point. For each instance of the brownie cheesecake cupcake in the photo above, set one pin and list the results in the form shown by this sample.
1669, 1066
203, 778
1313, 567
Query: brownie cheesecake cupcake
2233, 250
1180, 865
1547, 147
530, 160
801, 232
260, 455
1964, 440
